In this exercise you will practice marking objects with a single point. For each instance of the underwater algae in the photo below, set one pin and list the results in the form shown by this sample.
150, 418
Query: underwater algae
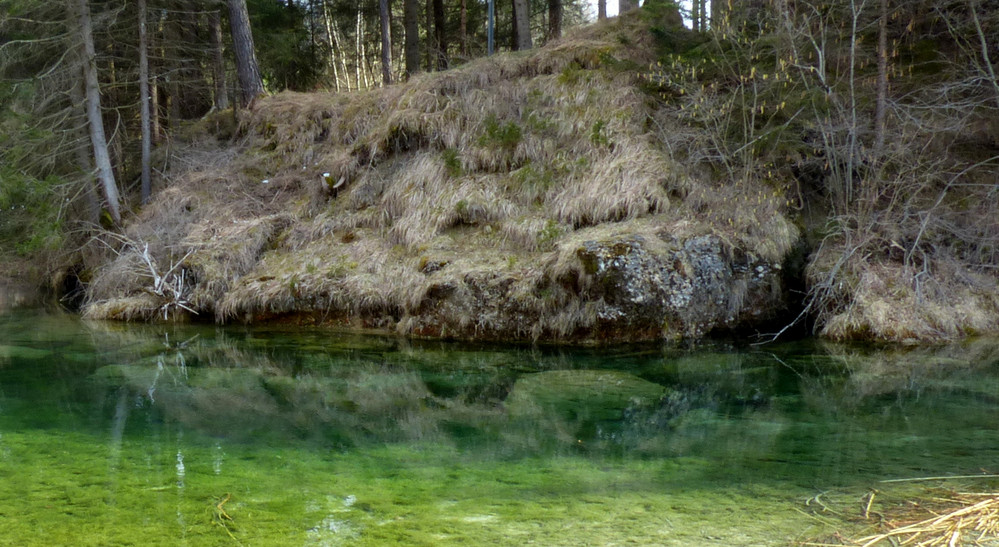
65, 489
196, 435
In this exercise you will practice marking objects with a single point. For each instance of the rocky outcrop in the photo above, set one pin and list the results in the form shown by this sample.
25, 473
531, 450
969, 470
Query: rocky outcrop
643, 285
681, 288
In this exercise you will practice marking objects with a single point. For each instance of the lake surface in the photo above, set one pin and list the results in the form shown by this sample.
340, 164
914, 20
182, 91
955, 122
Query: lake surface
115, 434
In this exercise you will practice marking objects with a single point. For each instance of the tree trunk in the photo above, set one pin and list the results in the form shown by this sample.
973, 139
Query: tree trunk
154, 91
383, 13
428, 15
514, 40
144, 104
463, 28
491, 27
334, 48
522, 22
250, 84
358, 52
343, 58
440, 34
554, 19
221, 101
411, 20
882, 96
102, 159
601, 9
81, 136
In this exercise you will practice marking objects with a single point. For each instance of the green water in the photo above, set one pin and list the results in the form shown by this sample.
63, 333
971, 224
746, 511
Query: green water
199, 435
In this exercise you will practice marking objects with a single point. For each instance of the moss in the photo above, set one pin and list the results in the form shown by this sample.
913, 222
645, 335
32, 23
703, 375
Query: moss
550, 233
452, 162
505, 135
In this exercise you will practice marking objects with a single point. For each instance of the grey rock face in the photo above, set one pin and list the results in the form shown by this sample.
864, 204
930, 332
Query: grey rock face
682, 288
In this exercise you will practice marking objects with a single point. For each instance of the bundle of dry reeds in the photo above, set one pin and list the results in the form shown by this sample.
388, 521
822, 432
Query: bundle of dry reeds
973, 523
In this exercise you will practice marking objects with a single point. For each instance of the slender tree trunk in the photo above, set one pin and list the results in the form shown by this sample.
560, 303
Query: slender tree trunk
358, 52
522, 21
91, 200
144, 104
882, 97
554, 19
343, 58
105, 174
218, 63
154, 92
463, 28
331, 45
601, 9
383, 13
250, 84
411, 20
428, 15
514, 33
440, 34
990, 72
491, 26
704, 15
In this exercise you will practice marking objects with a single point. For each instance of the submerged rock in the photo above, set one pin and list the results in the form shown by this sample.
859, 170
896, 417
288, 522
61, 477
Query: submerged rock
584, 395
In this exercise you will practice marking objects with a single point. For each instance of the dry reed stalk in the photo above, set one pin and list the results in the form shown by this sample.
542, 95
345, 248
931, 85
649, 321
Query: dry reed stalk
976, 522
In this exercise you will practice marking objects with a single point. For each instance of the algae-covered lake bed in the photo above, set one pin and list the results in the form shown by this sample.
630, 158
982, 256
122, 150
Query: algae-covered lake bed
114, 434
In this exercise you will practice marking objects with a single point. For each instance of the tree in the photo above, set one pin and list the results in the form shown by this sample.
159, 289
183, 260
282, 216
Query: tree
554, 19
411, 20
81, 10
383, 12
440, 34
251, 85
522, 24
882, 92
144, 103
221, 94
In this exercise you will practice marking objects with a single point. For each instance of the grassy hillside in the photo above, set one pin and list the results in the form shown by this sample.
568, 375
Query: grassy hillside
632, 181
456, 204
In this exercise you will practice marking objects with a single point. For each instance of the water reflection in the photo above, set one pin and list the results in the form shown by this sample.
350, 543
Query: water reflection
338, 437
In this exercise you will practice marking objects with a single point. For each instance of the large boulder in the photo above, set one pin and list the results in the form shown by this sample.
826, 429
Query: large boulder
681, 288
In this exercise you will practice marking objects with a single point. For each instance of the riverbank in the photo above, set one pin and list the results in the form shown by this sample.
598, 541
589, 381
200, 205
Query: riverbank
563, 194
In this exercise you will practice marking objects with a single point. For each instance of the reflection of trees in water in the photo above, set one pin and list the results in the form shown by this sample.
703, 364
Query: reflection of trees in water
342, 392
221, 387
17, 296
845, 379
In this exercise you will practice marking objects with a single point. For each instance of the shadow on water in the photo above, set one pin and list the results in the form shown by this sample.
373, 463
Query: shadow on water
323, 438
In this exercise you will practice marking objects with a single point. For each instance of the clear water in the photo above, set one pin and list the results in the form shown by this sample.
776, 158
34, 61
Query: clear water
117, 434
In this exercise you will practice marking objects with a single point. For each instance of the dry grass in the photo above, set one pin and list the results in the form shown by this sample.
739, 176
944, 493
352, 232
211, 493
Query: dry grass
885, 300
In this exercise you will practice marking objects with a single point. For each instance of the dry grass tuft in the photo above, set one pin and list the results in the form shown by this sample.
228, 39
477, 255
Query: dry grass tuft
888, 301
138, 307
